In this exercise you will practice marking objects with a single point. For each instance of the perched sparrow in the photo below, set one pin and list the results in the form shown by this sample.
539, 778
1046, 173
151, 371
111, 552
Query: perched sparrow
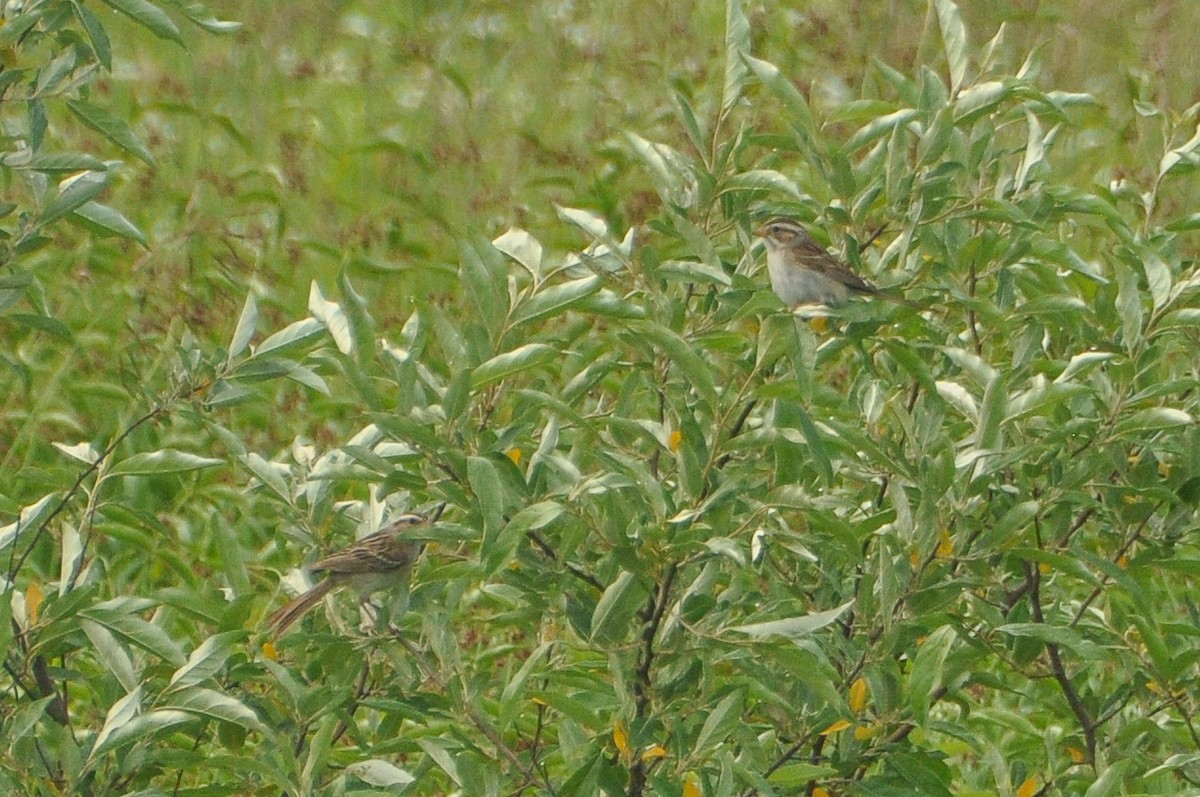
802, 272
374, 563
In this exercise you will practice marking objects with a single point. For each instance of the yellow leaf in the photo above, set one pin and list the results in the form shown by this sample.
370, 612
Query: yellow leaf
1028, 788
1076, 755
819, 324
864, 732
691, 788
858, 695
836, 727
620, 738
654, 751
674, 439
270, 652
820, 791
33, 601
945, 547
514, 454
1044, 568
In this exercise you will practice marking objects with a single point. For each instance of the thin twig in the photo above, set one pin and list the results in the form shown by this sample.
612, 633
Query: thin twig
652, 617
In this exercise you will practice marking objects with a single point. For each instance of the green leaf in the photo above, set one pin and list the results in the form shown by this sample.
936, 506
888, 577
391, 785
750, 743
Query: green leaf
113, 128
681, 354
1035, 151
111, 653
1158, 276
796, 776
1154, 419
483, 274
143, 726
29, 517
117, 616
502, 366
674, 181
1010, 528
880, 127
555, 300
148, 16
73, 193
1129, 305
269, 473
358, 317
612, 619
211, 704
16, 26
1185, 153
489, 491
103, 219
737, 47
798, 111
693, 271
200, 16
119, 715
816, 444
762, 180
719, 723
24, 719
954, 41
1081, 362
1062, 636
437, 750
294, 335
793, 627
928, 670
331, 316
1111, 781
208, 658
247, 322
378, 772
993, 411
523, 248
166, 460
53, 163
979, 100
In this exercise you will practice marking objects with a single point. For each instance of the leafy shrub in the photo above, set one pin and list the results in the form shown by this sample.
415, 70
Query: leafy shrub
694, 544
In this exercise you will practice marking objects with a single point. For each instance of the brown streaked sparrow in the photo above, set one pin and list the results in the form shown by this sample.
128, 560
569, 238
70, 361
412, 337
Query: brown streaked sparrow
377, 562
802, 272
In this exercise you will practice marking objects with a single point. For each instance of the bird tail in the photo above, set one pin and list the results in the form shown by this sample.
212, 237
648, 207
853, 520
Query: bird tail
298, 607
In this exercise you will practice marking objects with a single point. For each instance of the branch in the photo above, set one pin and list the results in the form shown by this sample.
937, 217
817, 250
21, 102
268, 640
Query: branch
477, 719
1086, 724
573, 569
652, 616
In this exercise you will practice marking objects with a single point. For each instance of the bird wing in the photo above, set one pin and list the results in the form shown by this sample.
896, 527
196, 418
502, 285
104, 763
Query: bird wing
820, 261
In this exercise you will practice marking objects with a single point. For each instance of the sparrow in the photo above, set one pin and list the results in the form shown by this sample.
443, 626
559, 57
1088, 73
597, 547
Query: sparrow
802, 272
379, 561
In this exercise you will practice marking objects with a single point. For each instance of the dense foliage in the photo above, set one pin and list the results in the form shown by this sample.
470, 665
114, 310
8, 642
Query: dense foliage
694, 543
